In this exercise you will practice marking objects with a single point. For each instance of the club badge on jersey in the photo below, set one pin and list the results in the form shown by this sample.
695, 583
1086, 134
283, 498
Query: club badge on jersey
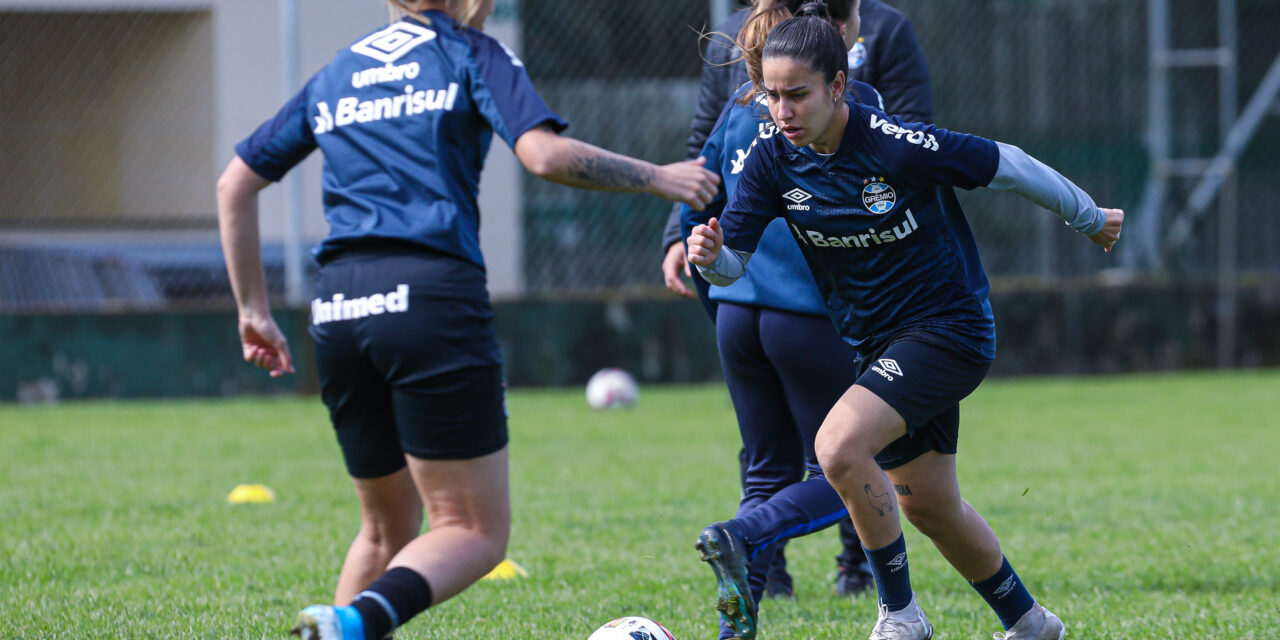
857, 55
877, 196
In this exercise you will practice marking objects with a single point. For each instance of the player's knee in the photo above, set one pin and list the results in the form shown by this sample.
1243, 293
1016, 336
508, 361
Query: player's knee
391, 534
827, 448
839, 452
493, 550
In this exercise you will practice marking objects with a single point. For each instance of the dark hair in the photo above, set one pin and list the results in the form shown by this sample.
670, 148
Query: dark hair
810, 37
765, 15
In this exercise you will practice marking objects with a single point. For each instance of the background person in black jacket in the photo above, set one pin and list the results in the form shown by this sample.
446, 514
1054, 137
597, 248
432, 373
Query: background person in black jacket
886, 56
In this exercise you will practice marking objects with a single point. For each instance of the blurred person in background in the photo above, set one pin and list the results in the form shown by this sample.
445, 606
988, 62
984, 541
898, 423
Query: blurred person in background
870, 201
784, 363
405, 348
883, 53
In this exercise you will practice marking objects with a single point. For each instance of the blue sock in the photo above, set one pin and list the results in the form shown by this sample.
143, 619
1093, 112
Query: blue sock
350, 621
893, 579
1006, 595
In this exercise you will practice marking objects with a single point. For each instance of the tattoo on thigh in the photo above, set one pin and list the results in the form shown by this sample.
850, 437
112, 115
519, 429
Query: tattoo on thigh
902, 489
881, 502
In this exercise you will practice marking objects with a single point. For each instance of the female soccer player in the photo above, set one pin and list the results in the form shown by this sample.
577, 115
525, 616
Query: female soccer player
869, 201
784, 363
405, 346
884, 53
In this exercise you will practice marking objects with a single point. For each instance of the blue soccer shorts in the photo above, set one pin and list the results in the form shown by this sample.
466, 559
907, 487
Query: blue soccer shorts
408, 359
924, 382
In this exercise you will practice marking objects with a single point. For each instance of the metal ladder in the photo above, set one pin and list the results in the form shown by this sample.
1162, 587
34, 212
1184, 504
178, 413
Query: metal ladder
1164, 226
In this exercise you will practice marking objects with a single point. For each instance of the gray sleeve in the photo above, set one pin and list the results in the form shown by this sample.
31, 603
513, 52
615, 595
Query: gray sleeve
1035, 181
728, 267
671, 232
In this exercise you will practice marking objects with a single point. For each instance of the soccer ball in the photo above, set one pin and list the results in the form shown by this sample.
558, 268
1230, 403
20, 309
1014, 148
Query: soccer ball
632, 628
612, 389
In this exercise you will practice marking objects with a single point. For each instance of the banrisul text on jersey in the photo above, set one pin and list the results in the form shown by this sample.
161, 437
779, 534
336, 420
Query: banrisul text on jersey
878, 225
444, 86
352, 110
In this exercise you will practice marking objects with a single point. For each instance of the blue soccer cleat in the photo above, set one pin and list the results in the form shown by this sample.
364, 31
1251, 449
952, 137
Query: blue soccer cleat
324, 622
726, 552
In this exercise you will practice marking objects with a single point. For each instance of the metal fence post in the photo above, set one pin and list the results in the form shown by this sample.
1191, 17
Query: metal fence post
294, 255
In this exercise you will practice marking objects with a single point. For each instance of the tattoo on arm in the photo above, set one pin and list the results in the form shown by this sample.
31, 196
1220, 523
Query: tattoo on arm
881, 502
902, 489
606, 170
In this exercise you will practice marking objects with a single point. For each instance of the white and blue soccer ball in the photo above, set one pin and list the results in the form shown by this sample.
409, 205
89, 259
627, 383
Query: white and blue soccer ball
612, 389
631, 628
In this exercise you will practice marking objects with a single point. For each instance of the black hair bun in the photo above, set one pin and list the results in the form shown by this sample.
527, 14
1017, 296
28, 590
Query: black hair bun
815, 8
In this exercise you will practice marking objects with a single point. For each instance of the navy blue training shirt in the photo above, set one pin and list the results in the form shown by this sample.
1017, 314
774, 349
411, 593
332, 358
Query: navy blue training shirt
778, 277
404, 116
879, 226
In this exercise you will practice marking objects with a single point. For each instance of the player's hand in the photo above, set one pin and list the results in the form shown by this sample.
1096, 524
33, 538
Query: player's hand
688, 182
705, 243
673, 264
264, 345
1111, 230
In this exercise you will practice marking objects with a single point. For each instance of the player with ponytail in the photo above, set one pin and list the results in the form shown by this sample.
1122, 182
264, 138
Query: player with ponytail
784, 363
405, 347
868, 198
884, 53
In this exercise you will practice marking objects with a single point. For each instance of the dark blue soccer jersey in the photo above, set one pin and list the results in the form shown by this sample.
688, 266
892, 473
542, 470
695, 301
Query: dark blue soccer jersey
778, 278
404, 117
879, 226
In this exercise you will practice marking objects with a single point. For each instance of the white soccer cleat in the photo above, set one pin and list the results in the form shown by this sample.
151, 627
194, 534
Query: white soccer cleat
1037, 624
905, 624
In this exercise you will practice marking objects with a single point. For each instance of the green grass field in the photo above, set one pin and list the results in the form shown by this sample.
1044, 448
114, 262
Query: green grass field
1135, 507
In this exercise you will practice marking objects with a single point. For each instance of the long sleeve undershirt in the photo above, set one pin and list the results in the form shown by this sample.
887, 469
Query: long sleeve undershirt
1018, 172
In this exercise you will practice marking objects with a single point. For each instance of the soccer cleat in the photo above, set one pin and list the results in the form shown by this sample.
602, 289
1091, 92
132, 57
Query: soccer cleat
905, 624
854, 580
726, 552
1036, 624
323, 622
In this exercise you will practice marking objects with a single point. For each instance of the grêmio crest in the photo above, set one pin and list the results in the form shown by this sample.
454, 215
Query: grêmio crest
877, 196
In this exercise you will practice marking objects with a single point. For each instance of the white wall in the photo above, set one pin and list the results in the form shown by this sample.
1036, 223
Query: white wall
247, 77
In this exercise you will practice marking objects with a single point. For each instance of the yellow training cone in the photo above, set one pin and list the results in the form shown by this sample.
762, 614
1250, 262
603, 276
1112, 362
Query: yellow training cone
506, 570
251, 493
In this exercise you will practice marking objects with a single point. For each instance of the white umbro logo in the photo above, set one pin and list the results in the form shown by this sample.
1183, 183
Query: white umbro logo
797, 195
890, 365
392, 43
898, 562
1005, 588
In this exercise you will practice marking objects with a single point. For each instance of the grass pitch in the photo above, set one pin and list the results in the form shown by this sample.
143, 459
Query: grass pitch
1135, 507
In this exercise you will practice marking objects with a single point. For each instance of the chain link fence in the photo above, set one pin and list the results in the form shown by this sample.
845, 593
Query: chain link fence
1066, 80
105, 128
106, 193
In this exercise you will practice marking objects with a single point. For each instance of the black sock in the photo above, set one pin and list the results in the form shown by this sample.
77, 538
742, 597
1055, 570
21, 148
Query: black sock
391, 601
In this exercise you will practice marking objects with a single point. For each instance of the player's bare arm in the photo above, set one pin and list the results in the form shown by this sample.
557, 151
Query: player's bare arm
261, 341
574, 163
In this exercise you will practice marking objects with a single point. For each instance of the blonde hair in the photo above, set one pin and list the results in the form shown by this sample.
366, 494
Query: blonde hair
765, 15
464, 11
